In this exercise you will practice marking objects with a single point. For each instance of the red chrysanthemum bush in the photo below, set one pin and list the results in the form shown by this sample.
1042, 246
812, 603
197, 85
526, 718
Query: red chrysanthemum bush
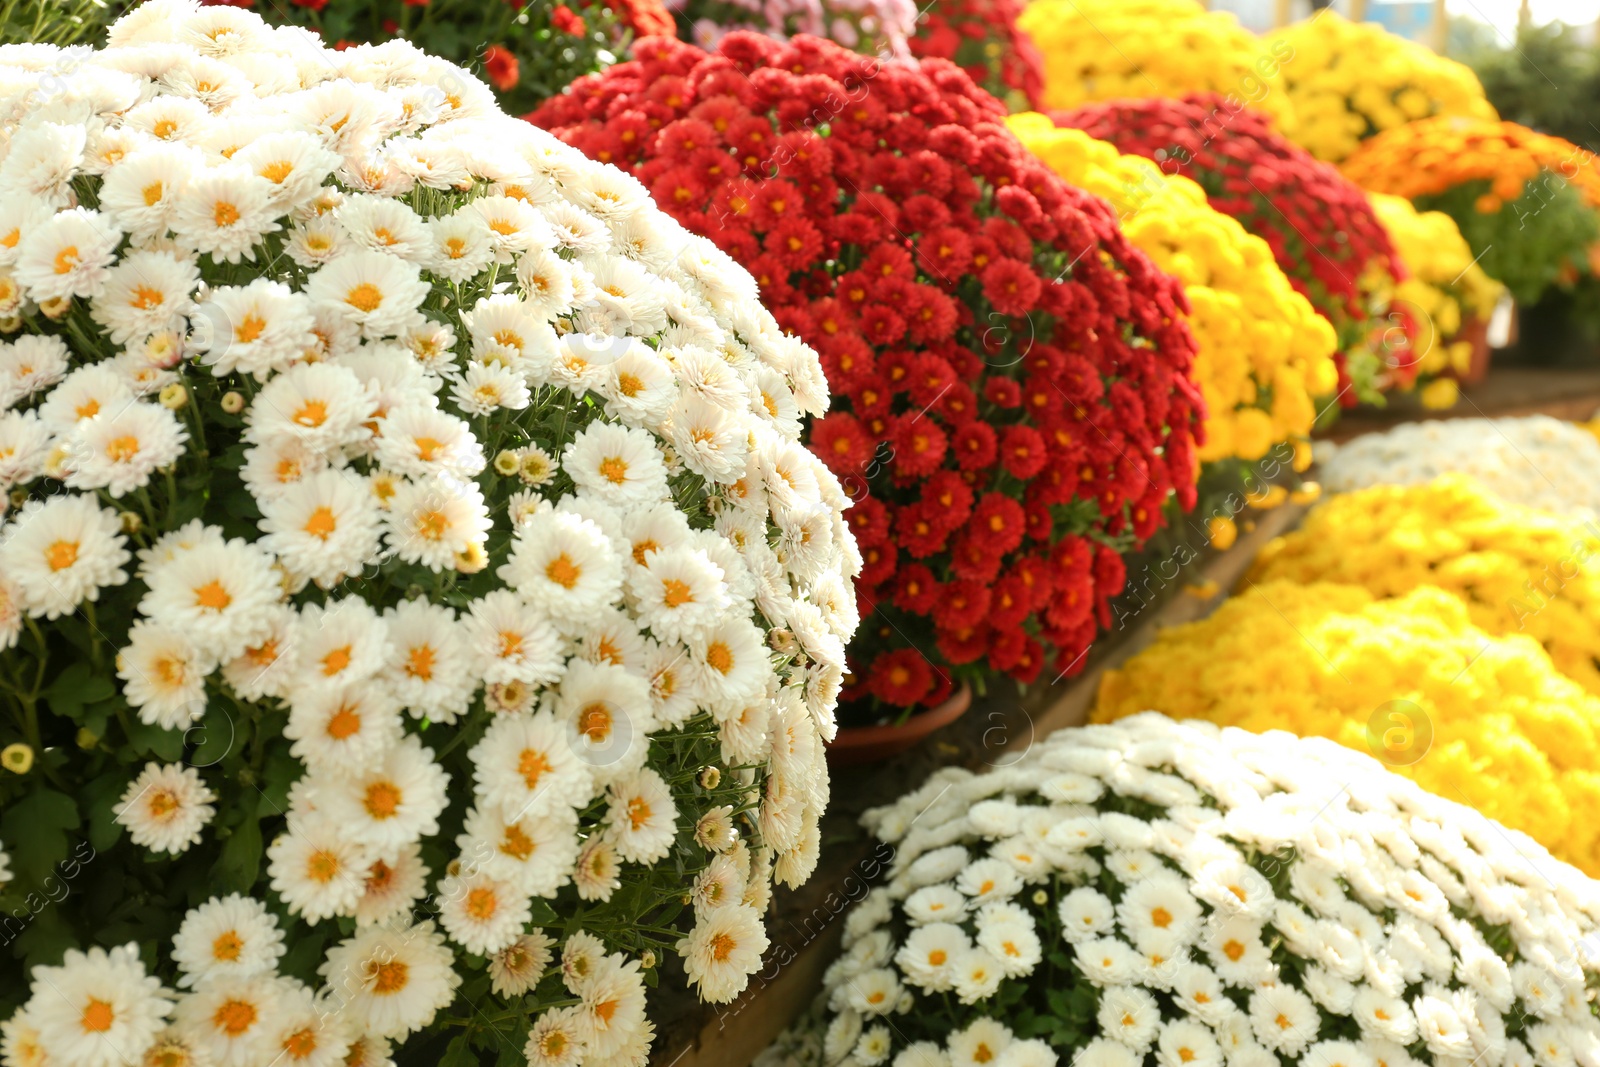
1013, 404
982, 38
1321, 226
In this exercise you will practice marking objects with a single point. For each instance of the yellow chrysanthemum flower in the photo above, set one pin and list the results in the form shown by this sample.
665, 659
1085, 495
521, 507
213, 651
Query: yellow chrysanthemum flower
1518, 569
1483, 720
1446, 287
1114, 49
1350, 80
1263, 354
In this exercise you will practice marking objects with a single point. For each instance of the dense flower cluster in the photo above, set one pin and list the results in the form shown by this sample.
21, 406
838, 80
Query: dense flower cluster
867, 26
1015, 376
1350, 80
1320, 227
1262, 353
525, 49
1446, 289
1128, 49
408, 545
1526, 202
1171, 893
1487, 720
1537, 460
983, 39
1518, 569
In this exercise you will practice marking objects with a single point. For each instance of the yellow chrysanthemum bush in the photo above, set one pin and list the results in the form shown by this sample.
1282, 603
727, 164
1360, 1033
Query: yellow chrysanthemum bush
1350, 80
1517, 569
1263, 354
1484, 720
1113, 49
1446, 289
1527, 203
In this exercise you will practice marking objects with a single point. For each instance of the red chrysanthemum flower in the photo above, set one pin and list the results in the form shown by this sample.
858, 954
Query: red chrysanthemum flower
901, 677
922, 251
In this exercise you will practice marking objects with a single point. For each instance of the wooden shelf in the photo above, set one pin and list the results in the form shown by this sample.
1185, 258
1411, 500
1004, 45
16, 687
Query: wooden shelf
805, 925
1561, 392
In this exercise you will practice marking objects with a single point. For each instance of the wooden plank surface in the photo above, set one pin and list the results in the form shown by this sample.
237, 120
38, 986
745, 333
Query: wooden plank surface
806, 924
1561, 392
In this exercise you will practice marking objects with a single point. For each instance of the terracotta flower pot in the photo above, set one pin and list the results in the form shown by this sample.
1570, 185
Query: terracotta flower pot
1475, 331
872, 744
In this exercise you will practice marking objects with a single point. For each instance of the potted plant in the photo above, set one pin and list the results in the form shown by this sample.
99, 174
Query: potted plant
1014, 400
390, 632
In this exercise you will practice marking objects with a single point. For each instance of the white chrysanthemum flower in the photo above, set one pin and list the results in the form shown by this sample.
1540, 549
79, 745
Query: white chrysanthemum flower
641, 818
481, 913
599, 870
462, 246
24, 442
225, 213
323, 527
723, 950
396, 801
120, 450
1284, 1019
67, 255
510, 640
534, 853
483, 388
530, 766
271, 468
164, 676
611, 1008
317, 867
220, 595
144, 293
514, 226
231, 935
517, 968
618, 464
342, 728
428, 661
341, 643
41, 161
29, 364
392, 886
545, 279
1183, 1042
418, 440
506, 331
379, 293
165, 808
322, 406
97, 1007
730, 663
436, 521
565, 566
555, 1040
382, 224
142, 191
232, 1018
258, 329
708, 439
392, 980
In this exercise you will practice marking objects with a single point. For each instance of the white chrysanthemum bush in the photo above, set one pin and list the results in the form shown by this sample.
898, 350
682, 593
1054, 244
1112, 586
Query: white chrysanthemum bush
1152, 892
419, 621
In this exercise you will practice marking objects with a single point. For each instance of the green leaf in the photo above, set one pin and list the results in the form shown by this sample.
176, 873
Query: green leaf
34, 830
146, 740
542, 913
240, 862
459, 1053
99, 796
